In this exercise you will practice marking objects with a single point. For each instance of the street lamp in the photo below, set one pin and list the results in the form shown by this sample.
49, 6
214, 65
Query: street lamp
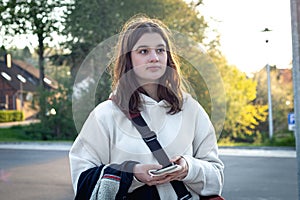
266, 30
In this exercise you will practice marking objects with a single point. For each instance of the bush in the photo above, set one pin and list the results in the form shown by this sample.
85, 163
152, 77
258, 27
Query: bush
282, 139
11, 116
56, 118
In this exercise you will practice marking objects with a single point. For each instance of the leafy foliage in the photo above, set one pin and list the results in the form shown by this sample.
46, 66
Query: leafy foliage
11, 115
40, 18
100, 20
28, 16
242, 116
282, 96
57, 122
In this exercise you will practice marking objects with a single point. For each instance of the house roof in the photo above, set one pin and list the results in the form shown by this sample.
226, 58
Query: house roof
25, 75
286, 75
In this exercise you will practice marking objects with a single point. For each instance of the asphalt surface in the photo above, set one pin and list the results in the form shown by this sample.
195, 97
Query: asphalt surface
34, 175
260, 178
41, 172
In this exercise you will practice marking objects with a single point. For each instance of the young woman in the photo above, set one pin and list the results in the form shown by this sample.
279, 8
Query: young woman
110, 159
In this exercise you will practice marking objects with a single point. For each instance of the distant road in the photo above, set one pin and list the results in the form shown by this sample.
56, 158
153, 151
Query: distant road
45, 175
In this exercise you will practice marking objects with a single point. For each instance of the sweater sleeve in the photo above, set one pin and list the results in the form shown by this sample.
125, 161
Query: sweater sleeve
90, 149
205, 175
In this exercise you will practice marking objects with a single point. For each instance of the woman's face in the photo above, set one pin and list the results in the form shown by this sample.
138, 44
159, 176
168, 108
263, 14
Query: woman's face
149, 58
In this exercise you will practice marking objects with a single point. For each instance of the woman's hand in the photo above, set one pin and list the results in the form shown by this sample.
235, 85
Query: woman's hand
181, 174
178, 175
141, 173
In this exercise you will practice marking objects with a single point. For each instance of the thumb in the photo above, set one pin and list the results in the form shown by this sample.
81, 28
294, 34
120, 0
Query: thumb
175, 159
155, 166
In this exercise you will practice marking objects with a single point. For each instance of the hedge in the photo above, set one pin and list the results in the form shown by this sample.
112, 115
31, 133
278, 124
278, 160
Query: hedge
11, 115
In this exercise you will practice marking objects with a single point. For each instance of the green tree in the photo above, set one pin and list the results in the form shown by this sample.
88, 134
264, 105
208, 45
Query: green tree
100, 20
242, 115
40, 18
57, 124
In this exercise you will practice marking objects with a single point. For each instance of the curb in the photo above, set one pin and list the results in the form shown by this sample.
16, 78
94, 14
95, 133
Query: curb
276, 152
280, 152
55, 146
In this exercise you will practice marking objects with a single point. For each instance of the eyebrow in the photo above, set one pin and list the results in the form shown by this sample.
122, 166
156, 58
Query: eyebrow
146, 46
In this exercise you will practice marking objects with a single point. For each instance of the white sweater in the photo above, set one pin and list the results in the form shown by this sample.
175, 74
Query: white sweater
108, 136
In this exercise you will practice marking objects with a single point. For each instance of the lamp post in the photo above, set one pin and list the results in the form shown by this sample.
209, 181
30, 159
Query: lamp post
266, 30
295, 24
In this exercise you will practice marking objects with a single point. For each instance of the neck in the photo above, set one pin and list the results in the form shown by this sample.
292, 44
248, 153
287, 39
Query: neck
151, 90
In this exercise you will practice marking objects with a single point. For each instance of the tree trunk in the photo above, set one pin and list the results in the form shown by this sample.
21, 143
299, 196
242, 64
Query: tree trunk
42, 98
41, 59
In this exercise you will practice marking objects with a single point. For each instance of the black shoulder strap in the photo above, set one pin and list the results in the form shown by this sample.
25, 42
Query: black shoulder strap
151, 140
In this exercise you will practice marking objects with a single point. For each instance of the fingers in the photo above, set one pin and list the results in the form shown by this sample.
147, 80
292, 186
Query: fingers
155, 166
180, 160
141, 172
142, 168
159, 180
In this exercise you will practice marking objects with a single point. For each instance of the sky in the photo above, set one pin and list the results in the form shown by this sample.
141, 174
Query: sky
240, 24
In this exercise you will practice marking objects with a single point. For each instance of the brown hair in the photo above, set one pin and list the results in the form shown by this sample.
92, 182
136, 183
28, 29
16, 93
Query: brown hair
125, 86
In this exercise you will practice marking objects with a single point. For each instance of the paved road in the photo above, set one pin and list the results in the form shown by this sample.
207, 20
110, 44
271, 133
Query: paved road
260, 178
44, 175
34, 175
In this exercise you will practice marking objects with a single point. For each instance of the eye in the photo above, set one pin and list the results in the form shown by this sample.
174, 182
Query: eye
143, 51
160, 50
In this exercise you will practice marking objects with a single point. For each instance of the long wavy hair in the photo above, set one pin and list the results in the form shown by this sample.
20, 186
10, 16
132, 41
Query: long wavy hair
125, 85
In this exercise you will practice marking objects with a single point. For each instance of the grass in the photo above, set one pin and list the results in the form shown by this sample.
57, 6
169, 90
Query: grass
27, 133
14, 134
279, 140
17, 134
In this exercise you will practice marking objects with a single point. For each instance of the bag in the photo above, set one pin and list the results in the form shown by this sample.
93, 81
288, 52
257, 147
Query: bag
150, 193
214, 197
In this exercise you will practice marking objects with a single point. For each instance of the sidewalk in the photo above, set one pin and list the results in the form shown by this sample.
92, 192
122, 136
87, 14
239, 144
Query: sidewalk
55, 146
279, 152
19, 123
284, 152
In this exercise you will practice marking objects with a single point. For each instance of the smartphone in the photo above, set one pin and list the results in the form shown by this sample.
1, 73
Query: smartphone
166, 170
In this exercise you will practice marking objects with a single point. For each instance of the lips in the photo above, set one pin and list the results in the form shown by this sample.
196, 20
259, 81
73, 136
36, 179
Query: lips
153, 67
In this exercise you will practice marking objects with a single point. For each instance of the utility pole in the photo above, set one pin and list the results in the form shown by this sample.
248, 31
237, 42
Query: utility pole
270, 103
295, 23
266, 30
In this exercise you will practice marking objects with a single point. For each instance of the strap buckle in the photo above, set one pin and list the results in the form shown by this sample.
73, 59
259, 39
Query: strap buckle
186, 197
150, 138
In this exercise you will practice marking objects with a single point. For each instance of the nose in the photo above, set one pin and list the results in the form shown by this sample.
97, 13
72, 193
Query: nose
153, 57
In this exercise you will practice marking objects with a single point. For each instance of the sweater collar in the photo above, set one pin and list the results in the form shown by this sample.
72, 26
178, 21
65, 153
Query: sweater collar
149, 101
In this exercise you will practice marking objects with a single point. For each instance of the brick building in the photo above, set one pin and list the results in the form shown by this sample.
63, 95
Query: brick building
18, 84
